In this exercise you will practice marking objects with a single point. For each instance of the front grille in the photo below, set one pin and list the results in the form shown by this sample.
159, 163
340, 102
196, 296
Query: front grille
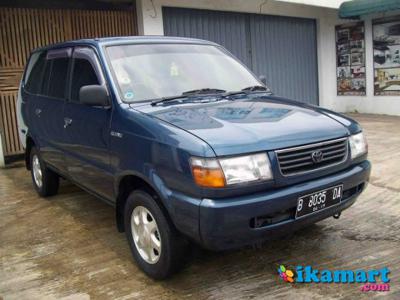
299, 160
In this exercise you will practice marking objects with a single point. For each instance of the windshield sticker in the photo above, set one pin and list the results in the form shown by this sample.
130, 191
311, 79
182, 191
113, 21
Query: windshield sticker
124, 80
128, 95
174, 70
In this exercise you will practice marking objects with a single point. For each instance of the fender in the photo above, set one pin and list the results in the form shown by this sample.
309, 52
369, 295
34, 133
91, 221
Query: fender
152, 179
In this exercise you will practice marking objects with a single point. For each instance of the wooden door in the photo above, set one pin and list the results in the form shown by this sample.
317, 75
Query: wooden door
24, 29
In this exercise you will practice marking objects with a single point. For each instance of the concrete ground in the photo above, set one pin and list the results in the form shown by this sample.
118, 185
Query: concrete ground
68, 247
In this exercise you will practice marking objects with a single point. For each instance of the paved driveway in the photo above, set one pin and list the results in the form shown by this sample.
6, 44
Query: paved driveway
68, 246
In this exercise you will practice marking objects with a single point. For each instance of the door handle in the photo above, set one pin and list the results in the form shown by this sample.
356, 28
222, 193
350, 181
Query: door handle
38, 111
67, 122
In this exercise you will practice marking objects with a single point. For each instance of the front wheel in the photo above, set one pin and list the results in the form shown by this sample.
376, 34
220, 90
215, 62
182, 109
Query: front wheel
45, 181
154, 242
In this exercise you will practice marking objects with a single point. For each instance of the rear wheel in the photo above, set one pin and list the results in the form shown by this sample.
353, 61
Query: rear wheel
45, 181
154, 242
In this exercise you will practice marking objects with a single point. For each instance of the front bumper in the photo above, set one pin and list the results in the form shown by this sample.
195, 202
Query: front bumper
235, 222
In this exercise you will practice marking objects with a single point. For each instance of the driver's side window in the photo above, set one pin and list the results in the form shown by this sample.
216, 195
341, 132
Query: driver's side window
83, 72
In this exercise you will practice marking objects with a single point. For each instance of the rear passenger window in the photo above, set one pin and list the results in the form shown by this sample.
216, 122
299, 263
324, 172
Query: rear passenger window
34, 72
55, 74
58, 77
46, 77
83, 74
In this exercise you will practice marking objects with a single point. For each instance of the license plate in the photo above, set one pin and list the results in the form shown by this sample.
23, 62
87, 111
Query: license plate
320, 200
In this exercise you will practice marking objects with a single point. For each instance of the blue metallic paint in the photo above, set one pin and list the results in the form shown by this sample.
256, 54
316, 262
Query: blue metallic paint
219, 230
250, 124
155, 145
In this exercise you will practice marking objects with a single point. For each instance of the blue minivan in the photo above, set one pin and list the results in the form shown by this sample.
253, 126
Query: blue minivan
185, 142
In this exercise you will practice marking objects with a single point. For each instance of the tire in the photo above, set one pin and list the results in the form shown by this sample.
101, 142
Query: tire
46, 183
167, 258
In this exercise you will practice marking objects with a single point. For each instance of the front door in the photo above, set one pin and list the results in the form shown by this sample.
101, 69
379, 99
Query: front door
87, 128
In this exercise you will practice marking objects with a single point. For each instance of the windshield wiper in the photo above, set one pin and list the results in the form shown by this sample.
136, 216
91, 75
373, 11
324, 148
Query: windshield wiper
166, 99
254, 88
210, 92
247, 90
199, 92
205, 91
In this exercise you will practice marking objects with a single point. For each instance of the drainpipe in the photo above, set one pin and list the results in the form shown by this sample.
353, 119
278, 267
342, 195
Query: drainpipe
2, 164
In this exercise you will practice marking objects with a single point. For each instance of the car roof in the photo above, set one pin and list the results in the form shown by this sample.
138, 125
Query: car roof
108, 41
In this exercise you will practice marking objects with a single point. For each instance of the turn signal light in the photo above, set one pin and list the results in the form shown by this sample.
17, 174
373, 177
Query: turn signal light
207, 173
208, 177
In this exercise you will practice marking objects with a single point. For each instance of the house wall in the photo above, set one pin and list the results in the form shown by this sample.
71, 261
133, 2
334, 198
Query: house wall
151, 23
26, 26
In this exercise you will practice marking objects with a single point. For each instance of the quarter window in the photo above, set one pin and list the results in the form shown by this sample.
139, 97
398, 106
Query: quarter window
34, 72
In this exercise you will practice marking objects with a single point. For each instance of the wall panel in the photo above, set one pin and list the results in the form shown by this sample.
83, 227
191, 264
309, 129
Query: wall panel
24, 29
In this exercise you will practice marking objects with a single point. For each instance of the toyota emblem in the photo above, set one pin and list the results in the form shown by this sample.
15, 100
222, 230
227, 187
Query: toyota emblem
317, 156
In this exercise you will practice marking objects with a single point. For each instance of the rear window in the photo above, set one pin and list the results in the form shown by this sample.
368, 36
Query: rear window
34, 72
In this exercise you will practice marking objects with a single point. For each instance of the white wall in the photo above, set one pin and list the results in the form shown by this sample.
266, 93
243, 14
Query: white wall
150, 11
370, 103
151, 23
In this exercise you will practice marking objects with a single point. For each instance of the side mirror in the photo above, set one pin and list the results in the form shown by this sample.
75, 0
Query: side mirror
94, 95
263, 79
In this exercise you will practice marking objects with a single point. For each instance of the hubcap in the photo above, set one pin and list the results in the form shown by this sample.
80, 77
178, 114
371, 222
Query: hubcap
37, 171
145, 234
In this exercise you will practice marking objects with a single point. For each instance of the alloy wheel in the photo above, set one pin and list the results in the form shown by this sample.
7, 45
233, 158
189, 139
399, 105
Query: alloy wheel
145, 234
37, 171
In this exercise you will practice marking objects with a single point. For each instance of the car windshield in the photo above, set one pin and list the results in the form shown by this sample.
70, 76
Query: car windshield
153, 71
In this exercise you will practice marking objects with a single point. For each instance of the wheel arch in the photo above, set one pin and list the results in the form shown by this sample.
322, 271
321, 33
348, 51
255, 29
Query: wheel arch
129, 183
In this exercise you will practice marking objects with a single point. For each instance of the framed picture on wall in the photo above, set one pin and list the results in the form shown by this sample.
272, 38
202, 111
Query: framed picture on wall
386, 37
350, 59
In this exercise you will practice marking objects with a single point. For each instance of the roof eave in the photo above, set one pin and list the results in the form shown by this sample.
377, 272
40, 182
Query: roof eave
357, 8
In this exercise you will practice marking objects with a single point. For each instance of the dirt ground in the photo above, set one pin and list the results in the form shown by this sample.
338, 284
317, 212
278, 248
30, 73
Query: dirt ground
68, 246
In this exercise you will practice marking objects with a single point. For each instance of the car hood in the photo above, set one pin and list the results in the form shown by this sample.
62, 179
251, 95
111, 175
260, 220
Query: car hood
252, 124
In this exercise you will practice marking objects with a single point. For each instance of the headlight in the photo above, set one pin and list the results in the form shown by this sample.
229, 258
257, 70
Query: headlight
212, 172
358, 145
